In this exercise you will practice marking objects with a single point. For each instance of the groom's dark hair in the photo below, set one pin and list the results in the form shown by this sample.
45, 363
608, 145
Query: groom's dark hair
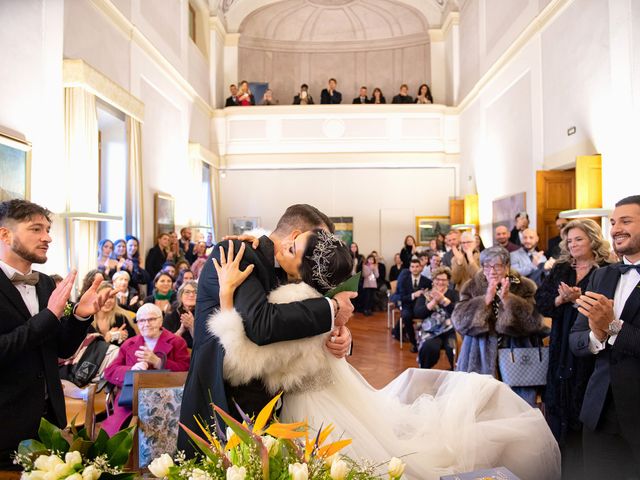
303, 217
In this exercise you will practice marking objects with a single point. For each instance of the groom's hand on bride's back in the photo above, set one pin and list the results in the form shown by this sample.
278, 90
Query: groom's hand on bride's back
345, 307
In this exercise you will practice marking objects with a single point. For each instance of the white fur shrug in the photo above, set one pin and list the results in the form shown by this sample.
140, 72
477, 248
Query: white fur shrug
291, 366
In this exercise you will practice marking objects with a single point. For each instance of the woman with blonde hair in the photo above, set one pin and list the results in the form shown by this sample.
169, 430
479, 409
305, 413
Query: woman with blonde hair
112, 321
583, 250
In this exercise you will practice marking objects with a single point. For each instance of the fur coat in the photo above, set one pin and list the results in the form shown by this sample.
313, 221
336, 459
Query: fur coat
517, 318
290, 366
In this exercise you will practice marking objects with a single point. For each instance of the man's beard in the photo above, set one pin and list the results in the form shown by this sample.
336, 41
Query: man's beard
632, 248
21, 251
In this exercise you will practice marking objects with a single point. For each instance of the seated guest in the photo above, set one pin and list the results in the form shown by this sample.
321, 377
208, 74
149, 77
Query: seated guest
362, 97
502, 239
120, 252
180, 320
127, 297
377, 96
267, 98
522, 223
138, 274
183, 276
156, 257
163, 294
232, 101
553, 248
451, 241
170, 268
424, 94
411, 287
303, 98
245, 97
330, 95
370, 276
466, 260
408, 250
182, 265
185, 245
437, 328
106, 264
528, 261
88, 280
174, 254
112, 321
497, 307
403, 96
434, 262
154, 348
394, 271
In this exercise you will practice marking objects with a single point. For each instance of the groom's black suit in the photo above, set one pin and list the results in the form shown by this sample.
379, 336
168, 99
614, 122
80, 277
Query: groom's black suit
264, 323
29, 351
612, 398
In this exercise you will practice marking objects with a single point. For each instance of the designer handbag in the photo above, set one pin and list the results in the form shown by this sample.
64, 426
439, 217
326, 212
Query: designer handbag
524, 367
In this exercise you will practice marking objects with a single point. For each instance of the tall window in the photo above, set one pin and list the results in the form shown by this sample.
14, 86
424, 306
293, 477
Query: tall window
207, 191
192, 23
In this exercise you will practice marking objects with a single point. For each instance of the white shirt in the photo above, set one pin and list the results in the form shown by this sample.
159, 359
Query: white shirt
27, 292
626, 284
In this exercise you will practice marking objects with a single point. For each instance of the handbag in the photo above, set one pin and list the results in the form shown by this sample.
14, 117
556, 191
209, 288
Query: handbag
126, 394
524, 366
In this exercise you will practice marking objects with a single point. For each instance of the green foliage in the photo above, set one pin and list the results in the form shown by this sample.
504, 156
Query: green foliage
119, 446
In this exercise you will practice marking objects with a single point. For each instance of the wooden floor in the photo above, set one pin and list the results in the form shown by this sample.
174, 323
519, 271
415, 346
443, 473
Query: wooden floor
376, 354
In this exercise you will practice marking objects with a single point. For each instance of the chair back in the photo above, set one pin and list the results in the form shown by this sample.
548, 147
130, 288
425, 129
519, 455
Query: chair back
394, 286
156, 411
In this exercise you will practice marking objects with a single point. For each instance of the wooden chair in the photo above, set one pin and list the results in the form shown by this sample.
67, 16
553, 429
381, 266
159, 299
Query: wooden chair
84, 411
391, 306
164, 391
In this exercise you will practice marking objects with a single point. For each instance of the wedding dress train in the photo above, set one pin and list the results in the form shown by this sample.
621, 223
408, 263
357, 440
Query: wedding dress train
438, 422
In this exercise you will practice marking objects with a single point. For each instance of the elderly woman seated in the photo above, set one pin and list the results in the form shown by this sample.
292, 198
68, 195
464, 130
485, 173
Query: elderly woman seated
127, 296
154, 349
496, 307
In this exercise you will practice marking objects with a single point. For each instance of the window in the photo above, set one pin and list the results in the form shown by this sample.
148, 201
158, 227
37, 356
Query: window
207, 200
192, 23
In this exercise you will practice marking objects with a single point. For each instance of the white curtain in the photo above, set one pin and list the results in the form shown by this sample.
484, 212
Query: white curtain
134, 201
81, 148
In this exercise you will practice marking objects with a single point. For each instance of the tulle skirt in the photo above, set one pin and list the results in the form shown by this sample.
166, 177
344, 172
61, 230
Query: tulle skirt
438, 422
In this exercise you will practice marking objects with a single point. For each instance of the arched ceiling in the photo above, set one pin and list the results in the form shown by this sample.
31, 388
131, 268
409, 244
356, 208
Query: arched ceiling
237, 11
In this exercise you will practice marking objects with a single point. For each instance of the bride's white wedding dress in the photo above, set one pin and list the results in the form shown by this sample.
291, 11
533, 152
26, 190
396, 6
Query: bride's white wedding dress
438, 422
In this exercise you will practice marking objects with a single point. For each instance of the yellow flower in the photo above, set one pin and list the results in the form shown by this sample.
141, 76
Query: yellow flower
339, 470
299, 471
91, 473
396, 468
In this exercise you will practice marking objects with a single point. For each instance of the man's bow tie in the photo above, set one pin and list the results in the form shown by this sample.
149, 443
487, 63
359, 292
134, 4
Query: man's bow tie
28, 279
624, 268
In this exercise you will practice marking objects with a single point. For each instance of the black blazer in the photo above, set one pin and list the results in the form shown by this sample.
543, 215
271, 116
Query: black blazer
373, 100
617, 367
153, 264
359, 100
553, 249
402, 99
405, 285
231, 102
325, 98
264, 323
515, 236
29, 350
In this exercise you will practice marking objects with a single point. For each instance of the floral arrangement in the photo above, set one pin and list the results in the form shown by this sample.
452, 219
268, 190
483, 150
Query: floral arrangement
254, 450
72, 455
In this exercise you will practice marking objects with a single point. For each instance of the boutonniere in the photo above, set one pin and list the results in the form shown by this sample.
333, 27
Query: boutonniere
68, 309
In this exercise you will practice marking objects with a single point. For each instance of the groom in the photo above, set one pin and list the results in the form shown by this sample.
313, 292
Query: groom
264, 323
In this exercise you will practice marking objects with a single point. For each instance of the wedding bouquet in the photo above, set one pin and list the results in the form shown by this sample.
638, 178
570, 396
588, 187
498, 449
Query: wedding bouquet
72, 455
255, 450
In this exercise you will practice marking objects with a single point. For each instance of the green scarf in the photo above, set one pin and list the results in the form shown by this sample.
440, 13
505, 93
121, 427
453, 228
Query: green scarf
159, 296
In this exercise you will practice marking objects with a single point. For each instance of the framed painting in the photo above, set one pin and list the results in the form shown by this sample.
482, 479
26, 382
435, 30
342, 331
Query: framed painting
506, 208
239, 225
428, 228
15, 165
165, 219
344, 228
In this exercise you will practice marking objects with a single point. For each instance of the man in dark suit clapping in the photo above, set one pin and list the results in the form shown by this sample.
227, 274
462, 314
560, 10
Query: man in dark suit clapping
609, 327
330, 95
34, 331
411, 287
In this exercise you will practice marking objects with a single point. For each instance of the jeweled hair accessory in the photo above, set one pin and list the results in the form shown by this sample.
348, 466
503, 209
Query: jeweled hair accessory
323, 251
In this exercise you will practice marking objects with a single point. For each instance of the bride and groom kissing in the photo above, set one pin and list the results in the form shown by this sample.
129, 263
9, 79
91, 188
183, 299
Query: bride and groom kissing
263, 326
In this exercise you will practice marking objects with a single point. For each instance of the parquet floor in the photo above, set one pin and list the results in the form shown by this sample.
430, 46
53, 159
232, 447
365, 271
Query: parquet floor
376, 355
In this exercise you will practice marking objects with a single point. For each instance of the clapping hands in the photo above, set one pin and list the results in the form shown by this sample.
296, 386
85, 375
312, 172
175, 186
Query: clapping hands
145, 355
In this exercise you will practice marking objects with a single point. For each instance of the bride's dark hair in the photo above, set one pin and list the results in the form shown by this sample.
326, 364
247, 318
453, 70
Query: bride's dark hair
326, 262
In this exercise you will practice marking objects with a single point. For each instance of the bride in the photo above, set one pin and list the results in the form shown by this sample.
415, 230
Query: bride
439, 422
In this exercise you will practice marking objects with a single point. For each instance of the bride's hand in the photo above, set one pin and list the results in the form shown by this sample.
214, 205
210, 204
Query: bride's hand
229, 274
254, 241
339, 342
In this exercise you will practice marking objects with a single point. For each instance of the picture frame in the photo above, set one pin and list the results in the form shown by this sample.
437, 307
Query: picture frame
343, 229
428, 228
164, 213
506, 208
240, 225
15, 165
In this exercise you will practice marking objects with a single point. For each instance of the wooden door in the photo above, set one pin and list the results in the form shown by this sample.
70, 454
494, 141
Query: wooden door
589, 181
456, 211
555, 191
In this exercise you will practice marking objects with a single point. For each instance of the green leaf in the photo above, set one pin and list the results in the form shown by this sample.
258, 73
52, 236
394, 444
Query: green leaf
99, 446
117, 476
28, 447
58, 442
119, 446
203, 446
45, 432
81, 445
81, 434
349, 285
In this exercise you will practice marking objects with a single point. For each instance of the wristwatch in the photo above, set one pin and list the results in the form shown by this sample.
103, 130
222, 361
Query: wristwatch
614, 327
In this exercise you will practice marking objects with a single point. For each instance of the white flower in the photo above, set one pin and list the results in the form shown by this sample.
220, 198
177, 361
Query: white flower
269, 442
339, 470
62, 470
73, 458
236, 473
328, 461
299, 471
50, 476
396, 467
33, 475
159, 467
197, 474
42, 462
75, 476
229, 433
91, 473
